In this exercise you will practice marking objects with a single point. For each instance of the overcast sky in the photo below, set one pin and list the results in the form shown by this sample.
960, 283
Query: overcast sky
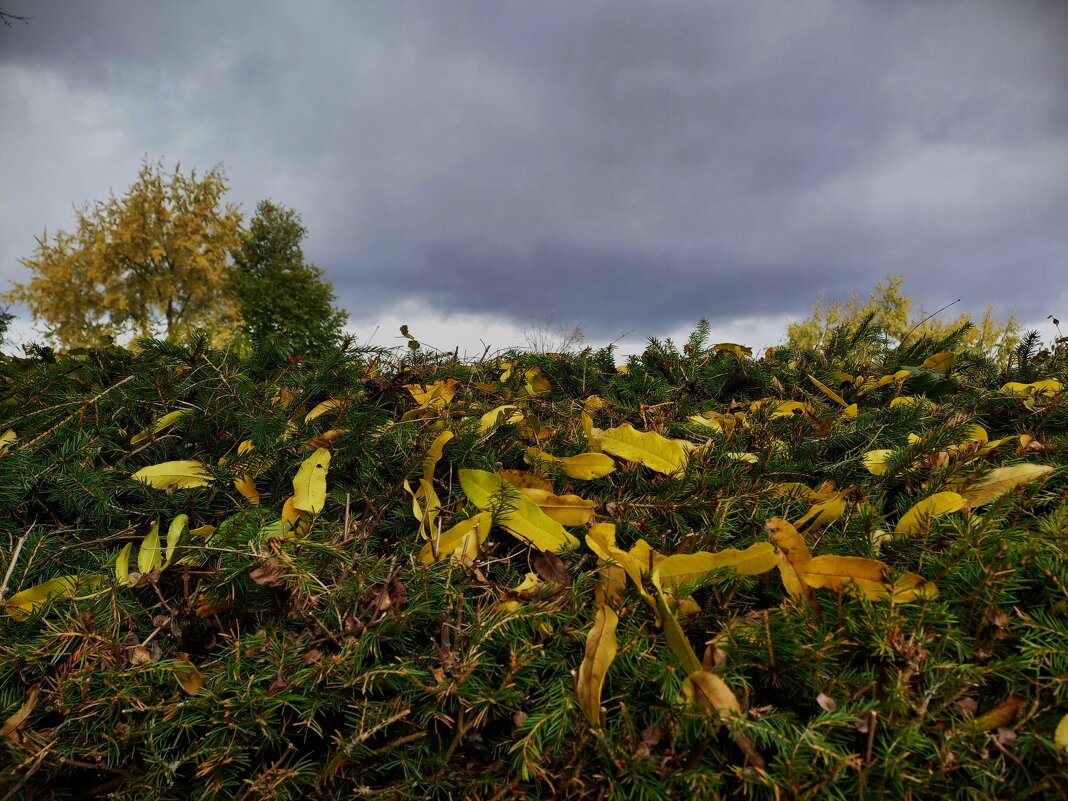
472, 168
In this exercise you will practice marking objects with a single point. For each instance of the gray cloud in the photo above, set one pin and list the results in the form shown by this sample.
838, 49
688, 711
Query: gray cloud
598, 161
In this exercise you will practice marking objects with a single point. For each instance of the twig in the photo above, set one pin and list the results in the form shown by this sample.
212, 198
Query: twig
924, 320
14, 558
69, 417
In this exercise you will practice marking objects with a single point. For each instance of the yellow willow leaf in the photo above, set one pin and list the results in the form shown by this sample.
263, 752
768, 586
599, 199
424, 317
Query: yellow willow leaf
434, 454
246, 485
916, 519
875, 461
7, 439
645, 447
593, 434
122, 565
245, 446
909, 587
461, 542
850, 412
150, 555
1001, 715
644, 556
501, 415
705, 690
425, 507
908, 400
334, 405
434, 397
567, 510
794, 557
22, 714
536, 383
189, 677
826, 390
882, 381
309, 484
940, 362
741, 351
528, 586
676, 638
708, 420
594, 403
695, 569
792, 409
847, 573
295, 522
182, 474
165, 421
792, 489
177, 537
601, 539
22, 604
976, 433
1004, 479
1047, 387
738, 456
206, 531
524, 478
600, 651
524, 520
582, 467
1060, 736
825, 512
612, 585
708, 691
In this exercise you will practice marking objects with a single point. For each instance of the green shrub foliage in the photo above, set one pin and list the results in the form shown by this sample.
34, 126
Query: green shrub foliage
261, 651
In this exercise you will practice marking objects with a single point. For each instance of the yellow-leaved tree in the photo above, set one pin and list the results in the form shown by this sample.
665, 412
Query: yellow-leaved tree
989, 336
154, 262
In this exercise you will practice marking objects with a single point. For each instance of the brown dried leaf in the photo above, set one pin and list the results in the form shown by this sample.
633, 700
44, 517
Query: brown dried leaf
187, 674
549, 567
15, 722
271, 574
1001, 715
827, 704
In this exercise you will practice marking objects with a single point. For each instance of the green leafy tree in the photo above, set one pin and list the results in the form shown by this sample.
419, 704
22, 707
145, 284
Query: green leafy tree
282, 297
892, 311
153, 263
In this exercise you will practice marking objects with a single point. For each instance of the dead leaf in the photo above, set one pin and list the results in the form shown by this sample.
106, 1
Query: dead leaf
271, 574
189, 677
551, 569
15, 722
1001, 715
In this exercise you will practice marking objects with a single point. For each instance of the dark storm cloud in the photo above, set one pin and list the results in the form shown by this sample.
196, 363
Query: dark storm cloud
658, 162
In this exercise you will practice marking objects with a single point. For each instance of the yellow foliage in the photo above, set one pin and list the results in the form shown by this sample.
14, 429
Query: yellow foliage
893, 312
154, 263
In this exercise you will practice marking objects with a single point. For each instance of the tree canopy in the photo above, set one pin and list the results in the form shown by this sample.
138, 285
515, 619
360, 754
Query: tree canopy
154, 262
282, 298
893, 314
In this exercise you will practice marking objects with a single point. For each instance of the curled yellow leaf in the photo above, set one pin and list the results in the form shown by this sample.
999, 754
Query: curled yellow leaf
600, 652
916, 519
847, 574
567, 510
461, 542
